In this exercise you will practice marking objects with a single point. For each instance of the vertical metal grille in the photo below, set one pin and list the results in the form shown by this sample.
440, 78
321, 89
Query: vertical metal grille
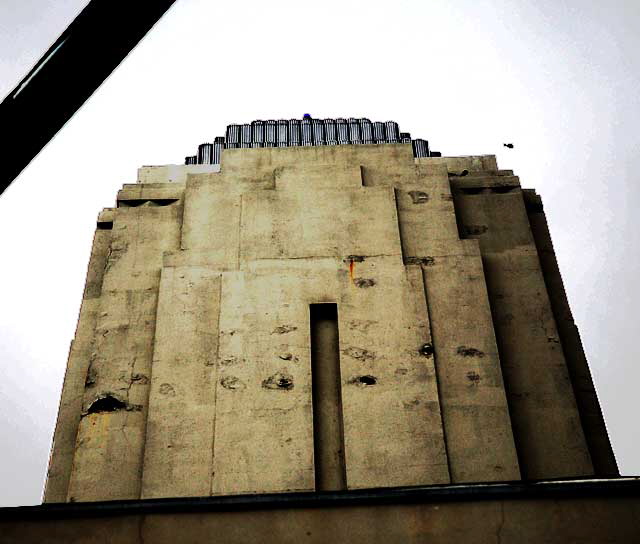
233, 136
294, 132
283, 133
305, 128
392, 132
270, 134
258, 133
245, 136
308, 132
378, 132
218, 146
367, 131
205, 153
318, 132
420, 148
343, 131
354, 131
330, 133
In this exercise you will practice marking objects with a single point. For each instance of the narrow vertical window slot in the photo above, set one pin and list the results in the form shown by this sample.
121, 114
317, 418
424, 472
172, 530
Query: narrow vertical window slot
328, 435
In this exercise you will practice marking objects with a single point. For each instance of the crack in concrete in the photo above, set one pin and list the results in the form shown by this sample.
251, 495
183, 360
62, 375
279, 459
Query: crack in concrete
215, 396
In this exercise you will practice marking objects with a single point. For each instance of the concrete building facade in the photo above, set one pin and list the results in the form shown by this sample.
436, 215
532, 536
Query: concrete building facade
323, 316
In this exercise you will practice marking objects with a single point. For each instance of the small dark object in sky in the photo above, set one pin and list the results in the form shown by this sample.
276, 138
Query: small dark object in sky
510, 146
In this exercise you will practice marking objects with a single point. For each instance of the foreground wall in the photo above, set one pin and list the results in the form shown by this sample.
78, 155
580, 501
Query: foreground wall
585, 512
201, 366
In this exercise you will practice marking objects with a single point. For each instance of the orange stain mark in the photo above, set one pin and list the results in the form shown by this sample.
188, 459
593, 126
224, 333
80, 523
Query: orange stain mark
352, 267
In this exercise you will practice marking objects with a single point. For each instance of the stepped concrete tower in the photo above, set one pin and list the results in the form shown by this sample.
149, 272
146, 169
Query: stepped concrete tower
312, 308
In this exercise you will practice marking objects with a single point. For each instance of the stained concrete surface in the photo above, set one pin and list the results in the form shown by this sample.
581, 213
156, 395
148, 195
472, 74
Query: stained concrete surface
191, 369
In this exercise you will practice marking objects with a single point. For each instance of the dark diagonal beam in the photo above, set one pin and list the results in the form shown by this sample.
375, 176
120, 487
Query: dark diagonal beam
93, 45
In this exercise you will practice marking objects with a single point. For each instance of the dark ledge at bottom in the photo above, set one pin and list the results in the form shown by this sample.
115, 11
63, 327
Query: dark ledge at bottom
548, 489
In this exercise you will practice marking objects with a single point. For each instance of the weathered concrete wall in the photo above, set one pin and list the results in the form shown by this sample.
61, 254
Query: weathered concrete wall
191, 373
64, 440
183, 391
476, 419
552, 519
110, 441
173, 173
545, 417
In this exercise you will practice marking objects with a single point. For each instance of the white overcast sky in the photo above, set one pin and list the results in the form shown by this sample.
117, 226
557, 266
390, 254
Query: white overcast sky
559, 79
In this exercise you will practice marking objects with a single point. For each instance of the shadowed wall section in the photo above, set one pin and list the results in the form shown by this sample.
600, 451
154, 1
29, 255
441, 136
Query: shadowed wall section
328, 435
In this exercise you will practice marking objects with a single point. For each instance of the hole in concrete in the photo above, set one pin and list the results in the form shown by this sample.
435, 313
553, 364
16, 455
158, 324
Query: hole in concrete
367, 380
90, 380
105, 225
469, 352
280, 380
471, 190
427, 260
284, 329
107, 403
475, 230
163, 201
473, 377
167, 389
131, 203
418, 197
426, 350
232, 383
359, 353
502, 189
